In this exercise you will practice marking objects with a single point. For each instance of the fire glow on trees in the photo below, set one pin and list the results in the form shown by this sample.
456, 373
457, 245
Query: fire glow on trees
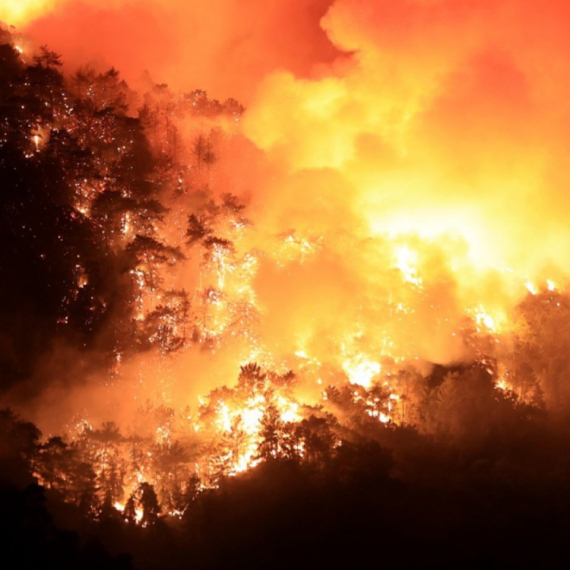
399, 211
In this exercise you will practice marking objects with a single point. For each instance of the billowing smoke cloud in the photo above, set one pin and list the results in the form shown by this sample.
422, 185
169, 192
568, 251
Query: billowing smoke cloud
447, 124
448, 119
224, 46
415, 154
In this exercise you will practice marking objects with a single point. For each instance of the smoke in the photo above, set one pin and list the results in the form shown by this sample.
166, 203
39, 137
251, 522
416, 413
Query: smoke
414, 156
445, 125
445, 122
225, 47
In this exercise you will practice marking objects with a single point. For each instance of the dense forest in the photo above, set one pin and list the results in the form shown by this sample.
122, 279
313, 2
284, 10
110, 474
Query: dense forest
105, 195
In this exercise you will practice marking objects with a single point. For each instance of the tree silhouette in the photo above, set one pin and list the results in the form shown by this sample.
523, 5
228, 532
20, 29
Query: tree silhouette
149, 504
47, 58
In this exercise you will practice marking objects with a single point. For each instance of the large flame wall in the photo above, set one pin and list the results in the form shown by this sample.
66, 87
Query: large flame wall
413, 154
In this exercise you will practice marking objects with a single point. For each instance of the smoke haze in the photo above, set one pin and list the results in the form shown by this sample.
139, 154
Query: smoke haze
396, 142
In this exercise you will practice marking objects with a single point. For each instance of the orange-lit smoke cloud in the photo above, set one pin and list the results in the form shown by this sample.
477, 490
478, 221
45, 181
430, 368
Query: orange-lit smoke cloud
222, 46
449, 123
438, 149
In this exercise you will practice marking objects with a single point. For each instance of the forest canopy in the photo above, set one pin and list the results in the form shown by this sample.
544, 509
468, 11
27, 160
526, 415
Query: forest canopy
185, 384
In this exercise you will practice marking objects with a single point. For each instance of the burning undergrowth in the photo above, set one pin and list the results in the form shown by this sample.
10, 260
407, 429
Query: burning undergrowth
336, 281
167, 274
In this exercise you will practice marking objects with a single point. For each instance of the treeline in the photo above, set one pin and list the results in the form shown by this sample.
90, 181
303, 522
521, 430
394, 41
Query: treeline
453, 474
388, 492
88, 173
158, 465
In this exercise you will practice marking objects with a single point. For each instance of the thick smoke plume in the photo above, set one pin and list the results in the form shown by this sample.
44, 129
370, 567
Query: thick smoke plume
225, 47
446, 128
411, 153
308, 263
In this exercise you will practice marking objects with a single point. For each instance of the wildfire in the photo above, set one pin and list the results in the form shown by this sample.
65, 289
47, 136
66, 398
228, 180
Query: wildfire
406, 262
352, 227
21, 11
530, 287
361, 371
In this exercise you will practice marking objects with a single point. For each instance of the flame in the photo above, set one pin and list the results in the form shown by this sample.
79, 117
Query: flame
17, 12
406, 262
486, 322
396, 210
361, 371
530, 287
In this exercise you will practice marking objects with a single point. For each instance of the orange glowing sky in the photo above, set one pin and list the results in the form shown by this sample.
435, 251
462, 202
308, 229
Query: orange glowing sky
224, 46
